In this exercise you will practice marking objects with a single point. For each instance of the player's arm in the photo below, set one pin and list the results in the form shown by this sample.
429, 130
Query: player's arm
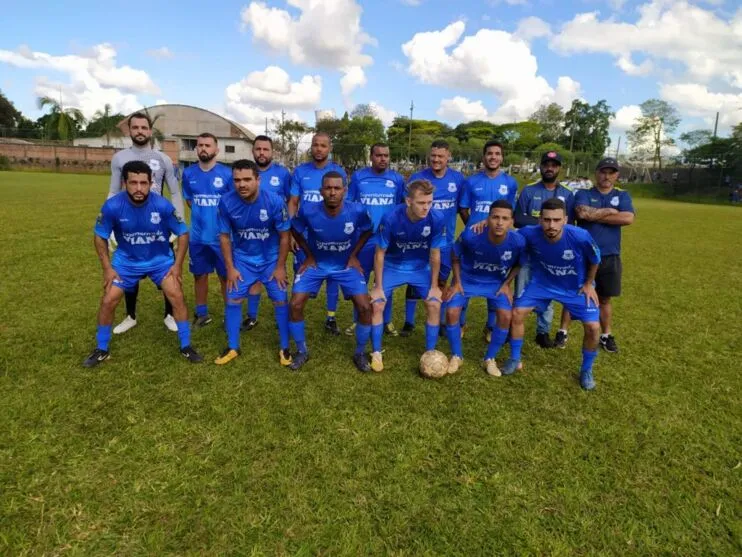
293, 205
465, 214
102, 232
593, 214
522, 214
177, 227
588, 289
176, 197
507, 285
279, 273
115, 185
621, 218
233, 275
377, 294
435, 270
455, 287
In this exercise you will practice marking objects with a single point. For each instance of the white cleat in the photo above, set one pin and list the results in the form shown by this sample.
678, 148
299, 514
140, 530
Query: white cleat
490, 366
125, 325
170, 323
454, 364
377, 363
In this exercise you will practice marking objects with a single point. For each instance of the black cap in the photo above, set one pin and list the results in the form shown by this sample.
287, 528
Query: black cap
552, 156
608, 162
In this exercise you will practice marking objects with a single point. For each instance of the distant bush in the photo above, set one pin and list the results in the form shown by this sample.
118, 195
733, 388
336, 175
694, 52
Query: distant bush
4, 163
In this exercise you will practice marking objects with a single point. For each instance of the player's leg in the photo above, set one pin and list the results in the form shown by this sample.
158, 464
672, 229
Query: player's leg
332, 292
544, 316
253, 306
296, 328
377, 329
111, 298
366, 259
364, 312
280, 301
517, 332
608, 286
432, 323
233, 313
443, 276
130, 321
454, 309
411, 299
491, 320
583, 310
560, 340
607, 341
174, 292
203, 262
168, 319
504, 315
201, 287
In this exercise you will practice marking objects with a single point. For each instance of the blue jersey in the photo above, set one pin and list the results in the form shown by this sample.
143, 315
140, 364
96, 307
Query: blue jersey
254, 227
446, 196
203, 190
378, 193
142, 231
561, 266
277, 179
331, 239
528, 207
307, 181
482, 261
408, 243
607, 236
480, 191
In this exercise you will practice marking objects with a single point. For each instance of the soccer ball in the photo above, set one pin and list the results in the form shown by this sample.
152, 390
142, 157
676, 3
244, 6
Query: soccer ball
433, 364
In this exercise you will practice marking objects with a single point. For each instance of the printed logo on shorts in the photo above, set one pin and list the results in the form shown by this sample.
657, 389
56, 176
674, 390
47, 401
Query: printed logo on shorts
263, 215
275, 181
508, 255
218, 182
614, 201
154, 164
155, 218
389, 184
349, 228
568, 255
503, 189
452, 187
426, 231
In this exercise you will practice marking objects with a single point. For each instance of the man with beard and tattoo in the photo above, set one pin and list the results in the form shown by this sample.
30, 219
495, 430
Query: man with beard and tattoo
276, 178
527, 212
203, 186
140, 132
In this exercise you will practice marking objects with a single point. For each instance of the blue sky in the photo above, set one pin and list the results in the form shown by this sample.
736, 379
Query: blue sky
474, 59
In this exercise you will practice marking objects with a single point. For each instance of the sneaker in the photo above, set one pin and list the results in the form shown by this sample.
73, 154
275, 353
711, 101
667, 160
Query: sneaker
608, 342
490, 366
390, 330
361, 362
201, 321
487, 334
454, 364
560, 340
170, 323
377, 363
128, 323
227, 356
407, 329
586, 380
331, 326
191, 355
249, 324
298, 360
284, 357
543, 340
350, 331
96, 356
511, 366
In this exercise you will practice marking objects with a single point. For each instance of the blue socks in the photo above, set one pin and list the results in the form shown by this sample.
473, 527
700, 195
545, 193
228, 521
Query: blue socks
464, 309
491, 314
454, 339
333, 292
376, 333
282, 320
232, 318
409, 311
202, 310
296, 328
103, 336
253, 303
431, 336
499, 336
388, 310
588, 357
516, 344
363, 333
184, 333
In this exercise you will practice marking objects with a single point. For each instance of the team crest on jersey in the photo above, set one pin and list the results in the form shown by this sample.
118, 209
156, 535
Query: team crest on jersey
155, 218
452, 187
218, 182
568, 255
561, 197
389, 184
426, 231
507, 256
275, 181
614, 201
154, 164
263, 215
503, 189
349, 228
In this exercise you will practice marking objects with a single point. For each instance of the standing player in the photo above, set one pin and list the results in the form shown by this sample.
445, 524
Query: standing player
276, 178
142, 223
448, 184
140, 132
602, 211
564, 260
484, 265
332, 234
527, 212
203, 185
254, 239
408, 252
378, 189
305, 185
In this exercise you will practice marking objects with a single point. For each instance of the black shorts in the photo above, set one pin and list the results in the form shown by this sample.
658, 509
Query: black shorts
608, 277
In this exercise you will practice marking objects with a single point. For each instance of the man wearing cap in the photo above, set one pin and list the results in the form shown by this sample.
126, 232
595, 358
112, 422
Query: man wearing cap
602, 211
527, 212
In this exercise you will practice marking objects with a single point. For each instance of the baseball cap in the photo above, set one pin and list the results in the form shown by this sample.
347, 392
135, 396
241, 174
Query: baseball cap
608, 162
551, 156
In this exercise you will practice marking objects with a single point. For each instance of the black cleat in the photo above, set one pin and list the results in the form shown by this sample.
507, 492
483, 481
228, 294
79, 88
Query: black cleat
390, 330
407, 329
96, 356
560, 340
191, 355
201, 321
298, 360
249, 324
543, 340
361, 362
331, 326
608, 342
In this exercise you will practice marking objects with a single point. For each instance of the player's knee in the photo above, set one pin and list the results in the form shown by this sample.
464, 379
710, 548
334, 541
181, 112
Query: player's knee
453, 315
604, 300
279, 303
296, 305
592, 329
519, 315
504, 318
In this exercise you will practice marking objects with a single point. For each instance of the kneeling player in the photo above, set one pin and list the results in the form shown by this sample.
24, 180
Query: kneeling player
331, 234
408, 252
142, 223
484, 265
254, 239
564, 260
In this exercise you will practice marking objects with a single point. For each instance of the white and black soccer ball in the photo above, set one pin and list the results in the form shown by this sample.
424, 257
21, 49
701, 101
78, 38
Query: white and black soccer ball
433, 364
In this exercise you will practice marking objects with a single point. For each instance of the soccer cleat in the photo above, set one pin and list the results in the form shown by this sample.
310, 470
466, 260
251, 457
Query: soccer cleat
586, 379
361, 362
128, 323
454, 364
487, 334
298, 360
560, 340
201, 321
608, 342
511, 366
331, 326
249, 324
490, 366
227, 356
377, 363
390, 330
407, 329
543, 340
351, 330
191, 355
96, 356
284, 357
170, 323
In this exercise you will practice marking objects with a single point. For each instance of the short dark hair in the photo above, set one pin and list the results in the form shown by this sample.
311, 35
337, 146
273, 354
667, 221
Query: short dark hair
552, 204
211, 135
246, 164
332, 174
135, 167
141, 116
493, 143
262, 138
321, 133
501, 204
378, 144
440, 144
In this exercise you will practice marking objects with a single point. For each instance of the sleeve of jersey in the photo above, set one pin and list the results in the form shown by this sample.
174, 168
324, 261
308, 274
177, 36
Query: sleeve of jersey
512, 191
458, 245
520, 249
186, 187
172, 182
353, 189
115, 184
401, 190
364, 221
287, 184
582, 197
175, 223
624, 202
104, 223
570, 203
439, 234
281, 217
295, 189
228, 183
223, 218
590, 248
465, 195
383, 235
299, 223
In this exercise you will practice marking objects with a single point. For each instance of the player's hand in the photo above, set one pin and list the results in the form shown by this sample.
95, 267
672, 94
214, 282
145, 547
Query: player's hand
176, 273
435, 294
480, 227
450, 291
109, 276
589, 291
377, 295
309, 263
353, 263
279, 274
507, 290
293, 246
233, 278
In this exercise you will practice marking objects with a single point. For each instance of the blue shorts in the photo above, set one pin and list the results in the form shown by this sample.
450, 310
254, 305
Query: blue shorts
310, 281
205, 259
252, 274
418, 280
475, 290
130, 277
538, 297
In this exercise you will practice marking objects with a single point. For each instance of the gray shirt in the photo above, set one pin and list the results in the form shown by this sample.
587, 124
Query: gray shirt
162, 173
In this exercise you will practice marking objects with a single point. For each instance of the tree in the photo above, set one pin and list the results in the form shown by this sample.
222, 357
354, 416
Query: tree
104, 122
63, 123
478, 129
551, 118
290, 134
423, 133
10, 116
653, 128
157, 135
586, 127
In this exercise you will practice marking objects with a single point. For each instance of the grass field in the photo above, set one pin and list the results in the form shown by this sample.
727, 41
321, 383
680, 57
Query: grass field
150, 455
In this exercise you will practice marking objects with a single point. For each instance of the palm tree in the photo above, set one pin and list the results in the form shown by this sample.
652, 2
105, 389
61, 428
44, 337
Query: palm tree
64, 121
107, 122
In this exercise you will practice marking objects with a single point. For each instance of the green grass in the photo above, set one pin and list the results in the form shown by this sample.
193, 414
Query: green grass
150, 455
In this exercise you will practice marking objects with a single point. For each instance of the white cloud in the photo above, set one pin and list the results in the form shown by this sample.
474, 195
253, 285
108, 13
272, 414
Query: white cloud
625, 118
412, 2
272, 89
696, 100
384, 114
628, 66
353, 77
532, 28
162, 53
461, 109
161, 101
253, 117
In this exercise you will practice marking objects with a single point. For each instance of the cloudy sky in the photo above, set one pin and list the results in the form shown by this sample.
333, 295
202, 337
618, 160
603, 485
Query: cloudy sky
472, 59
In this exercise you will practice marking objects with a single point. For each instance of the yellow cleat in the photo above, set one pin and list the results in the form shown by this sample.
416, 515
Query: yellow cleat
227, 356
454, 364
284, 356
490, 366
377, 364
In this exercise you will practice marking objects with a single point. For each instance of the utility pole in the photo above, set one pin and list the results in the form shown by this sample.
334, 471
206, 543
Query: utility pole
572, 130
409, 139
716, 124
618, 147
266, 125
